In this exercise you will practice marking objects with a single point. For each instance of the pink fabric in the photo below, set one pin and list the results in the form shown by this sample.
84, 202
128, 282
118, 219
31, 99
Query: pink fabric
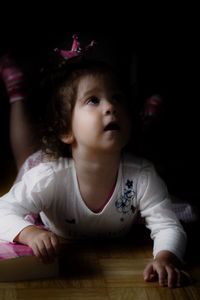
13, 250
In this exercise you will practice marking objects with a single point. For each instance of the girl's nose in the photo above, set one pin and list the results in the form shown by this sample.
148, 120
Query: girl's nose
109, 108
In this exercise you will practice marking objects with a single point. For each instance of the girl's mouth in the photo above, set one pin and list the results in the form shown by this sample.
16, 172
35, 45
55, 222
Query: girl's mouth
112, 126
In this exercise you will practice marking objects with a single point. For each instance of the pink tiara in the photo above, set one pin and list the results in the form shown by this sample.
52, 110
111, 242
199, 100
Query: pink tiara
75, 51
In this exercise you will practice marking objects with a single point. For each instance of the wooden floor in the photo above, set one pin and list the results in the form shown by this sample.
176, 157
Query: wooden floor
112, 270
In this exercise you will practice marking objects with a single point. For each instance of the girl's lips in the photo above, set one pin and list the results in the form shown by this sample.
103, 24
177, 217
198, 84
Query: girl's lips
112, 126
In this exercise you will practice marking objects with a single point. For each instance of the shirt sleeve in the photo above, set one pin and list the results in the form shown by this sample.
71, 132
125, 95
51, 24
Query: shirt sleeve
155, 207
30, 195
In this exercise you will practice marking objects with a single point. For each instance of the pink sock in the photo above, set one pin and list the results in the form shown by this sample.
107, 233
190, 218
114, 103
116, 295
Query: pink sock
13, 79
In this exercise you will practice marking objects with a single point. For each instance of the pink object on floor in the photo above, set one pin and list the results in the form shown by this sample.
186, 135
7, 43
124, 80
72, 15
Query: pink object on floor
12, 250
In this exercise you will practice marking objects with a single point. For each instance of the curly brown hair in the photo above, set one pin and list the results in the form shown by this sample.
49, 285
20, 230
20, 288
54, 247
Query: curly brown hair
59, 91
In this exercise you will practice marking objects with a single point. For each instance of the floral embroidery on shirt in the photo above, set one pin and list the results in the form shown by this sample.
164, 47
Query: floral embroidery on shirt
124, 203
129, 183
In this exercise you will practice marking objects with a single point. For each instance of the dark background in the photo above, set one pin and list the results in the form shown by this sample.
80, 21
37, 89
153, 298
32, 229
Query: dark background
158, 52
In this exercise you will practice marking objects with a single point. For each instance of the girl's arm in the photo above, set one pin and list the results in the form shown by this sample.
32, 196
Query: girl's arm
45, 244
166, 230
32, 194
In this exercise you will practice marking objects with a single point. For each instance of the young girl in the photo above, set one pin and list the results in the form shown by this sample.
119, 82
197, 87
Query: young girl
86, 185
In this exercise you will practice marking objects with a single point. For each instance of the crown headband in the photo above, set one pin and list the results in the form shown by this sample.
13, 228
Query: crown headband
76, 50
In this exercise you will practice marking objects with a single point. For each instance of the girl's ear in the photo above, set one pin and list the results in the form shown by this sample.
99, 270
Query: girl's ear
67, 138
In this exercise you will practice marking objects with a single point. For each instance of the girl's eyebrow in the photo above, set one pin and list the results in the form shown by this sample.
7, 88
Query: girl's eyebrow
91, 92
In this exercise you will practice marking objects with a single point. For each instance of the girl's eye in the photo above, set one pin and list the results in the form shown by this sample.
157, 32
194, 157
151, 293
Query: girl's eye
93, 101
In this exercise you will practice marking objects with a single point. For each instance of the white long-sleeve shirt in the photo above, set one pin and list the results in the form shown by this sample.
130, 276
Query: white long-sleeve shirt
51, 189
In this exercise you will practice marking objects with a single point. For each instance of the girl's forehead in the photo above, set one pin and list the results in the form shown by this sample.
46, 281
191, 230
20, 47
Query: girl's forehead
92, 81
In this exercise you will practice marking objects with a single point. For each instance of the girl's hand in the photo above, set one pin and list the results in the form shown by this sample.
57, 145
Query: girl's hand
45, 244
166, 269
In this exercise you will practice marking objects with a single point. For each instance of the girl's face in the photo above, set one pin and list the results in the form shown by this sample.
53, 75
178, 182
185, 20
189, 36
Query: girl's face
100, 120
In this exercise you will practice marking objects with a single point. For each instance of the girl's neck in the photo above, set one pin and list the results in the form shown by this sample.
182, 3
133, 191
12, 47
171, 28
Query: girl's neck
96, 175
95, 163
